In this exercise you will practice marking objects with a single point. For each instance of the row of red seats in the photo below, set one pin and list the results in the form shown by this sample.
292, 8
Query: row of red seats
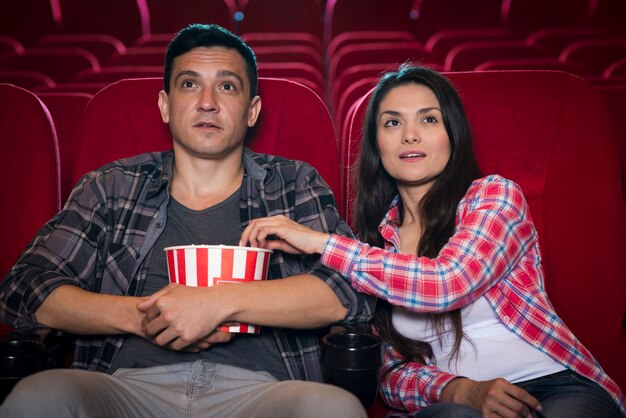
568, 167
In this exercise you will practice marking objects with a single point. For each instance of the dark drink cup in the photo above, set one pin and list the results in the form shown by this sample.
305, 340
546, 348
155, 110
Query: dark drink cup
351, 360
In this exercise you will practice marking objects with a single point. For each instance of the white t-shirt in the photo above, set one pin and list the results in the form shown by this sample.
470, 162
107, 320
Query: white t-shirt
488, 349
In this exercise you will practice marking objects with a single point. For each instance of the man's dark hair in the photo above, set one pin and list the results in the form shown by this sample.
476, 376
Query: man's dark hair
198, 35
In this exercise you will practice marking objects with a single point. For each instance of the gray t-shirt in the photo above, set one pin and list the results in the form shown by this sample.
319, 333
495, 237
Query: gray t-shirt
219, 224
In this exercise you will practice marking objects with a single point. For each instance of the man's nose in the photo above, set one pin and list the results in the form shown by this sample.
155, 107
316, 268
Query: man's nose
207, 101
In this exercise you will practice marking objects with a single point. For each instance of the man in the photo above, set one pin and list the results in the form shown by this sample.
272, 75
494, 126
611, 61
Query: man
98, 270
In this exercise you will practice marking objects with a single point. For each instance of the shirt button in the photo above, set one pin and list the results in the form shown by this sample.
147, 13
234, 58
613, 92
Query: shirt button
506, 319
536, 343
159, 225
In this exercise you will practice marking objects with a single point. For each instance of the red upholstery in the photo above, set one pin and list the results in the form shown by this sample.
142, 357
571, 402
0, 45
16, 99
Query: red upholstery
28, 21
364, 37
30, 171
595, 54
616, 70
350, 76
609, 15
10, 44
556, 39
468, 55
123, 120
60, 64
139, 57
127, 20
357, 15
67, 111
289, 53
111, 74
439, 44
282, 16
26, 79
615, 97
522, 17
433, 16
569, 171
257, 39
549, 63
296, 71
170, 16
375, 52
350, 95
102, 46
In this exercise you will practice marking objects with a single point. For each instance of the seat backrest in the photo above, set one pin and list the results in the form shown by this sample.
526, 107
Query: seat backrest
595, 54
282, 16
468, 55
127, 20
60, 64
358, 15
170, 16
432, 16
67, 111
124, 120
29, 172
30, 20
522, 17
569, 171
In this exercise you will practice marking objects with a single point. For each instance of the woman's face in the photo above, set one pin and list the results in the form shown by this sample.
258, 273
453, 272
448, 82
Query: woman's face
412, 139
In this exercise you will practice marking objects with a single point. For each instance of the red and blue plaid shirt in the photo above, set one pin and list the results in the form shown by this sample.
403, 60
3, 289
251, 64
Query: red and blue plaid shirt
494, 252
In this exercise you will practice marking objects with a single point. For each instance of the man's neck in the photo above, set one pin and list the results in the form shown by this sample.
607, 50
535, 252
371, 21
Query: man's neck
200, 184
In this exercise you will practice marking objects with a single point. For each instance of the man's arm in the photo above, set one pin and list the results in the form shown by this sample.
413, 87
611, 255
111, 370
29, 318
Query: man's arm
178, 316
72, 309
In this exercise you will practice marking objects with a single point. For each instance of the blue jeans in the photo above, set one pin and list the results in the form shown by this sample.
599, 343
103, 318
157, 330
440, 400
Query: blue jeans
562, 395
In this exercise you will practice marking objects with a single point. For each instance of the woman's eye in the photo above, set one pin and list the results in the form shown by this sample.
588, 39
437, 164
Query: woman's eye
391, 123
430, 119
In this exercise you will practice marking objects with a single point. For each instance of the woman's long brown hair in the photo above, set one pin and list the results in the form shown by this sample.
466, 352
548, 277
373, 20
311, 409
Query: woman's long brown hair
376, 190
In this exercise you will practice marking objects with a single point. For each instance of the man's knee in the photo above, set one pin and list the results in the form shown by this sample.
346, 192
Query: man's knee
310, 399
43, 393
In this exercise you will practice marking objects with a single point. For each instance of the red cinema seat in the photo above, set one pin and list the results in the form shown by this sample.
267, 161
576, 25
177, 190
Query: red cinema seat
468, 55
549, 63
26, 79
580, 218
371, 15
556, 39
294, 123
264, 16
615, 96
439, 44
169, 16
100, 45
9, 44
522, 17
112, 74
60, 64
28, 21
432, 16
67, 111
595, 54
371, 53
365, 37
289, 53
296, 71
258, 39
616, 70
139, 57
126, 20
30, 171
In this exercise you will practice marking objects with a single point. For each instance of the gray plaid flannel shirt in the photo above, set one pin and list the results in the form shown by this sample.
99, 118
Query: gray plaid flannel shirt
102, 241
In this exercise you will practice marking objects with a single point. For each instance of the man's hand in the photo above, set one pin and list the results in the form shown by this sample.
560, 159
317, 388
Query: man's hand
183, 318
494, 398
281, 233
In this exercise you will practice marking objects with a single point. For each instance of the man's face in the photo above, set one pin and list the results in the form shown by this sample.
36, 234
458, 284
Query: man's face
208, 107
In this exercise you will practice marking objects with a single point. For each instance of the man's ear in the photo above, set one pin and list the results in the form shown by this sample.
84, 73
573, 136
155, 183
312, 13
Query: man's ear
164, 106
255, 109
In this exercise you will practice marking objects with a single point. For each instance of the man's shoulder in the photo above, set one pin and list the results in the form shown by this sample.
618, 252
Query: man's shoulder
142, 163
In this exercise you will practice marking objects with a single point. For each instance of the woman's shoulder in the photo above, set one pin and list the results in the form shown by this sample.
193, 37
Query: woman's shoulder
497, 189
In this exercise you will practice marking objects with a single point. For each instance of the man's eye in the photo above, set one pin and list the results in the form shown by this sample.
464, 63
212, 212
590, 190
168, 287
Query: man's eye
187, 84
228, 87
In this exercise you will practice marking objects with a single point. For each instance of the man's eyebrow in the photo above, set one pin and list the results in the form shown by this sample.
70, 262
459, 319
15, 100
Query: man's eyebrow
228, 73
186, 73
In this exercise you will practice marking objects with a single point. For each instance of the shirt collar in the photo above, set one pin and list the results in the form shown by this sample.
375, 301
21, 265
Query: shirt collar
388, 226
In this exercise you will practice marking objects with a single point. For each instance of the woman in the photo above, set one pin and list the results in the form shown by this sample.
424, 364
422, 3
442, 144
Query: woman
454, 258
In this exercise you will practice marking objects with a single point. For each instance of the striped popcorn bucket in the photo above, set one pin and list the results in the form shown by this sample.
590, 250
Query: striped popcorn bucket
209, 265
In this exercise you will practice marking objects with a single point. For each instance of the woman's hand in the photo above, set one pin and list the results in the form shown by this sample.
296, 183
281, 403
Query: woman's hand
494, 398
281, 233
